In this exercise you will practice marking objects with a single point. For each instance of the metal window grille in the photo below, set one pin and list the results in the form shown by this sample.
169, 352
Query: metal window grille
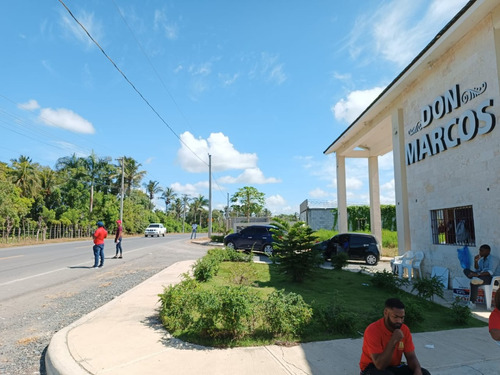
453, 226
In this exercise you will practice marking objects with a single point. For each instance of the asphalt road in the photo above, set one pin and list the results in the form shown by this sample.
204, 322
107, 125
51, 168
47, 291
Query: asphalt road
46, 287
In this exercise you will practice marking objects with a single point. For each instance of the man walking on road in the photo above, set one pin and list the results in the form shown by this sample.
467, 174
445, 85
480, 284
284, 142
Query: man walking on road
99, 235
118, 240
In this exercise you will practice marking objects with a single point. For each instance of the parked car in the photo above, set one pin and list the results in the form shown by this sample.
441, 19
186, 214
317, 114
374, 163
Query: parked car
358, 246
155, 230
254, 237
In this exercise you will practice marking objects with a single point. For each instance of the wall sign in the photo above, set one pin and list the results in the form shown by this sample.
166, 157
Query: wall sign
462, 128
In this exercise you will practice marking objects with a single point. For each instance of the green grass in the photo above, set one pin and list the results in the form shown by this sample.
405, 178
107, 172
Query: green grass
352, 290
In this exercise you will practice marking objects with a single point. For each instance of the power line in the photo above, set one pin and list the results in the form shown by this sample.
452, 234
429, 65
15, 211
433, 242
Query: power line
130, 82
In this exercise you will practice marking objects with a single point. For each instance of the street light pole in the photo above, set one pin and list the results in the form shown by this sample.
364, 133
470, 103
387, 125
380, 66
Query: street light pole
122, 188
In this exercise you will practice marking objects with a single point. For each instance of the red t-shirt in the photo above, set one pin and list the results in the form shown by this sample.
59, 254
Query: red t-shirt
99, 235
376, 338
494, 320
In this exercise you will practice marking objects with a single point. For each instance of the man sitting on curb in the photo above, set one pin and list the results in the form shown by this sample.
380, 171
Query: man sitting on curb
485, 266
384, 343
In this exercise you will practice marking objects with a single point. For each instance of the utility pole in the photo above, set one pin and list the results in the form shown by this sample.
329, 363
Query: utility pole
122, 188
209, 196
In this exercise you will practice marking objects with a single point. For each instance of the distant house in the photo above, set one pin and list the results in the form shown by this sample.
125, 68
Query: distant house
318, 214
439, 117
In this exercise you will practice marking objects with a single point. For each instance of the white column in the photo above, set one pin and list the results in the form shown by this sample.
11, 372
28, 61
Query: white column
375, 214
341, 194
400, 182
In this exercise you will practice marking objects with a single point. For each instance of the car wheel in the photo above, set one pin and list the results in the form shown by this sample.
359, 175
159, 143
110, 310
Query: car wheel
268, 250
163, 234
371, 260
230, 245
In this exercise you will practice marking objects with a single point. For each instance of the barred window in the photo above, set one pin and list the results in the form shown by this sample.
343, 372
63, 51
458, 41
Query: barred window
453, 226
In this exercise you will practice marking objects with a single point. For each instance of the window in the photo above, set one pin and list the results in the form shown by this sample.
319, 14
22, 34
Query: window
453, 226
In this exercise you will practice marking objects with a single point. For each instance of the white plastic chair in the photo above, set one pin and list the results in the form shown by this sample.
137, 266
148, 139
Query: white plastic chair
407, 265
400, 260
488, 291
415, 264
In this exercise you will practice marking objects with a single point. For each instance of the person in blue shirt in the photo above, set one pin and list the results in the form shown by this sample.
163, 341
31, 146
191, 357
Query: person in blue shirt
485, 266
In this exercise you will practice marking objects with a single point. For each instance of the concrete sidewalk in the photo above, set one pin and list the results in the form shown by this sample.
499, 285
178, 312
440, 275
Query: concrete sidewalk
125, 337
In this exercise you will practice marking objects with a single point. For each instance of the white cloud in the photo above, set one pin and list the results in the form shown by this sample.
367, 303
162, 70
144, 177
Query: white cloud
192, 190
161, 22
320, 193
65, 119
278, 205
29, 106
357, 101
269, 68
87, 20
228, 80
249, 176
399, 30
224, 155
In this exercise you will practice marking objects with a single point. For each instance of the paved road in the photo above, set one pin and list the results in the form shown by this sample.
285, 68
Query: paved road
44, 288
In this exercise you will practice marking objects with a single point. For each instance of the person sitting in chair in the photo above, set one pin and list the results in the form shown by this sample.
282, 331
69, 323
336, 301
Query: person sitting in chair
485, 266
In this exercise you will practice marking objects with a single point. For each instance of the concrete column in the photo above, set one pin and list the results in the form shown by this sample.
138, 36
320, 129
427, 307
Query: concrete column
341, 194
375, 214
400, 182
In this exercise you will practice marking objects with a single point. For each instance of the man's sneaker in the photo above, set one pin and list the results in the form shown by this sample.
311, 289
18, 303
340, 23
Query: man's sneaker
476, 281
471, 305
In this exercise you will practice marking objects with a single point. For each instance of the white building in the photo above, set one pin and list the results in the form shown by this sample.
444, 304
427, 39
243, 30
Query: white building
440, 119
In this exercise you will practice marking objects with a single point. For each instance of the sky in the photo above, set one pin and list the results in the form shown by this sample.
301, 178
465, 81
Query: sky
264, 87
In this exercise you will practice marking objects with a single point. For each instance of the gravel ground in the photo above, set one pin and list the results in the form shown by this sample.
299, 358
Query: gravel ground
24, 336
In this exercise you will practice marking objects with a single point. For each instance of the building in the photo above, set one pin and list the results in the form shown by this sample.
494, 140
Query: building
439, 118
318, 214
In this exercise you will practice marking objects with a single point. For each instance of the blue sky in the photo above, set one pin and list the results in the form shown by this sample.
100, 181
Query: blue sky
262, 86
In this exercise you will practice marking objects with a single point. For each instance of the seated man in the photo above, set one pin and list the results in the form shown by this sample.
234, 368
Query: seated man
494, 320
485, 266
384, 343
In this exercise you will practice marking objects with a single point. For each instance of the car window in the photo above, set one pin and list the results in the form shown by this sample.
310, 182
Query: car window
154, 226
360, 240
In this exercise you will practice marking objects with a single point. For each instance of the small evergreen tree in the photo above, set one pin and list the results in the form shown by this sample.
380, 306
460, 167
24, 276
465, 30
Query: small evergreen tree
292, 249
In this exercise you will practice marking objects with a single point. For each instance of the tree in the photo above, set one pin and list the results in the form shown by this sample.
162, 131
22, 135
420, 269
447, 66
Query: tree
198, 205
249, 200
95, 168
168, 196
292, 248
132, 176
25, 175
152, 188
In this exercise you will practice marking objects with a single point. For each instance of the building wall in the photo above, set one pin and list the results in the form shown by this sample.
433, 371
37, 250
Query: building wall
468, 174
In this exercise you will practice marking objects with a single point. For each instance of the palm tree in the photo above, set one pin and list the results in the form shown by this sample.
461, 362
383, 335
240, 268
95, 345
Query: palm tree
95, 167
178, 208
199, 205
185, 202
132, 175
26, 175
168, 196
152, 188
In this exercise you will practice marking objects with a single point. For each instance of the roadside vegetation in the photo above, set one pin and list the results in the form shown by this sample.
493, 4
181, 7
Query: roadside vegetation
231, 301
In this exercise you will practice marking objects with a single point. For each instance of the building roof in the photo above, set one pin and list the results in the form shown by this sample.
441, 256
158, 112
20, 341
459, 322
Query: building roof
371, 133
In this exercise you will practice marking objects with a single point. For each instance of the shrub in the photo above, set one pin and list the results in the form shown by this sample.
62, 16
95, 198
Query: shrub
292, 249
340, 260
177, 303
217, 238
428, 287
414, 313
387, 280
336, 319
226, 311
206, 268
229, 255
286, 314
460, 313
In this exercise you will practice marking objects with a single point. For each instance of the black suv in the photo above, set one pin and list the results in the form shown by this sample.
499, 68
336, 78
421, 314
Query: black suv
358, 246
254, 237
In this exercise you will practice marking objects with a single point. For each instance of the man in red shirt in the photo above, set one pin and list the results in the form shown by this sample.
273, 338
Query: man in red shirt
384, 343
494, 319
99, 235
